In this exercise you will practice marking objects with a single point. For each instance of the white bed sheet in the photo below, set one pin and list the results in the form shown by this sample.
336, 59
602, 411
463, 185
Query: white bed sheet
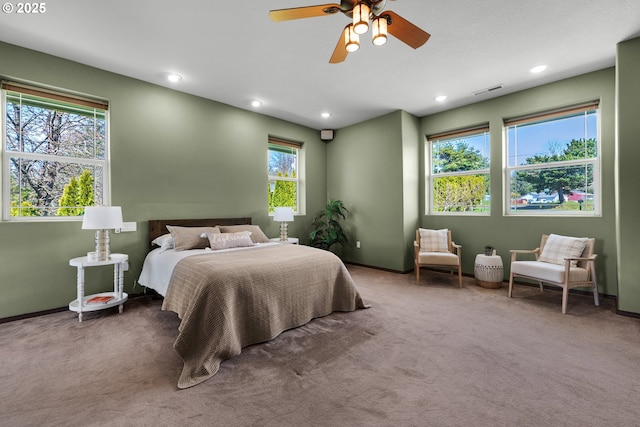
159, 264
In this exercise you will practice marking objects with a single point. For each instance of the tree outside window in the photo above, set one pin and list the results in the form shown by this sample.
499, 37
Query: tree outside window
553, 164
283, 170
54, 153
459, 172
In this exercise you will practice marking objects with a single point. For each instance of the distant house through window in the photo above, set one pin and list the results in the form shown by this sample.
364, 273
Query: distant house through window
284, 174
553, 163
54, 153
458, 172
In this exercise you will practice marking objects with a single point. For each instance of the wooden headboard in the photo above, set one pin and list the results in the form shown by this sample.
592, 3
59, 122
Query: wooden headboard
158, 227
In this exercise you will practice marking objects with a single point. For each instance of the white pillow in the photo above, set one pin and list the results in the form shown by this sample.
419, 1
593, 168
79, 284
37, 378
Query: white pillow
434, 240
165, 242
257, 235
557, 248
240, 239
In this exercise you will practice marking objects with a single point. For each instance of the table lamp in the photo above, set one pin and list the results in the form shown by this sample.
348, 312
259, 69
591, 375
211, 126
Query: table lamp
283, 215
101, 219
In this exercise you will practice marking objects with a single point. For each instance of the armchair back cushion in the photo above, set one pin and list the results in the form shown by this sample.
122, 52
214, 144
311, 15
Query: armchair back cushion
556, 248
434, 240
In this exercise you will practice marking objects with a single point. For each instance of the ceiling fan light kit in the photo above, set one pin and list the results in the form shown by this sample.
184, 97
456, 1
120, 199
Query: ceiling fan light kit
363, 13
379, 31
352, 40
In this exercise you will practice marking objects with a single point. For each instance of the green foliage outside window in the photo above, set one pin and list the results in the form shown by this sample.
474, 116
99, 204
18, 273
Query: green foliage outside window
459, 193
77, 194
462, 192
283, 193
561, 180
54, 152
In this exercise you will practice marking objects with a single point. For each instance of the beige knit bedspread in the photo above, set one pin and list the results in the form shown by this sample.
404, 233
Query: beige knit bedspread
227, 301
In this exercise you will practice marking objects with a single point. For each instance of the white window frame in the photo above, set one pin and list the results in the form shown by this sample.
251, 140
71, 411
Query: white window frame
432, 176
298, 167
6, 155
594, 162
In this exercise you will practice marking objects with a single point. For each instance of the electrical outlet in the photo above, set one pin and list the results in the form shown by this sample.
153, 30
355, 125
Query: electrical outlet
127, 226
357, 244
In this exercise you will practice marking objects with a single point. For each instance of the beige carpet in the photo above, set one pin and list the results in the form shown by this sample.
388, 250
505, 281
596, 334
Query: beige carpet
429, 355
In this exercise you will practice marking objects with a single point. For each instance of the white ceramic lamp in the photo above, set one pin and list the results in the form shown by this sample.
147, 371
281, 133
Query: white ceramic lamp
101, 219
283, 215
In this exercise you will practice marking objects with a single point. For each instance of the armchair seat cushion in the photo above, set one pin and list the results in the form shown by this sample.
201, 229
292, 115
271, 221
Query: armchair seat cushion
548, 272
438, 258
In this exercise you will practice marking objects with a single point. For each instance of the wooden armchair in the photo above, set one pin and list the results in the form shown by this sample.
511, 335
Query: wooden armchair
435, 248
567, 262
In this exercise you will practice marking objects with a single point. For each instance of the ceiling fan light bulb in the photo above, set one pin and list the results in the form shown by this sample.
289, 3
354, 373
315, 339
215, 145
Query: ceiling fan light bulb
361, 12
379, 40
379, 31
352, 40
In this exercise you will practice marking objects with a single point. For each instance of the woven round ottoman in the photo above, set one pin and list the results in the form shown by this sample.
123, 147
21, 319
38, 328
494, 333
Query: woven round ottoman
488, 271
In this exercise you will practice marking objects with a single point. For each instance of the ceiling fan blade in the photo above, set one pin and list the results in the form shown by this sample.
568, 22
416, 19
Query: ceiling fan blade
304, 12
340, 52
404, 30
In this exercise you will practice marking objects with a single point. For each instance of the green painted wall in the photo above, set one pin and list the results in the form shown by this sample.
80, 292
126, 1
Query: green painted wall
365, 171
628, 200
377, 169
411, 142
509, 232
173, 155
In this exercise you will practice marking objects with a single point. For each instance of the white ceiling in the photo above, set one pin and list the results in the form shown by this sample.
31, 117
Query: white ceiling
230, 51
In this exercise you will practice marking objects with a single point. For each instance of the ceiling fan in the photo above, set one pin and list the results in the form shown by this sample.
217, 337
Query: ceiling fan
364, 14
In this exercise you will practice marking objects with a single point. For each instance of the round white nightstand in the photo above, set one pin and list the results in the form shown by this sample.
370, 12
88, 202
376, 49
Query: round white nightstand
115, 298
290, 240
488, 271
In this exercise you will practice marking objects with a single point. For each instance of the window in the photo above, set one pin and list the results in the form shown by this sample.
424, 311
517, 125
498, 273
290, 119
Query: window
284, 174
459, 172
553, 163
54, 155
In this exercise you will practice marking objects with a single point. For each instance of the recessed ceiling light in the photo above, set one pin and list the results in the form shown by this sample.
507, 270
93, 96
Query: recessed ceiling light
538, 69
173, 77
326, 115
256, 103
441, 98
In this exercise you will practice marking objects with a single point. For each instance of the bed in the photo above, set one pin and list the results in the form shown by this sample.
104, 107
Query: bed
229, 298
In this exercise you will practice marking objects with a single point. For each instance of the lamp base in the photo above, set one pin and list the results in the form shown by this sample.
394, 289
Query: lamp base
103, 252
283, 231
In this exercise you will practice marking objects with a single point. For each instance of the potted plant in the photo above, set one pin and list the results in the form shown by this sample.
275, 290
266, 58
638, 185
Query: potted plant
327, 230
488, 250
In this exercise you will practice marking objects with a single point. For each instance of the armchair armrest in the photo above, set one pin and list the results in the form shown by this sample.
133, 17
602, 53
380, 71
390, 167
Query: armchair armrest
567, 261
457, 249
589, 258
515, 252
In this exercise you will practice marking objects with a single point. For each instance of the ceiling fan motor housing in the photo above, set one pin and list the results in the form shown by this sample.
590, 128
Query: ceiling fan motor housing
377, 6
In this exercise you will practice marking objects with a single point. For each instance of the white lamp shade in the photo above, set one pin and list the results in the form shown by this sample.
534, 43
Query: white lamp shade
283, 214
102, 217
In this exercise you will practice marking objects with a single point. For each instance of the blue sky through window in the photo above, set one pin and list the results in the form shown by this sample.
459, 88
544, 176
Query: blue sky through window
549, 137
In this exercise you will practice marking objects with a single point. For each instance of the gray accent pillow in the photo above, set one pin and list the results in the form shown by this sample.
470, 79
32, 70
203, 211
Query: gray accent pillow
257, 235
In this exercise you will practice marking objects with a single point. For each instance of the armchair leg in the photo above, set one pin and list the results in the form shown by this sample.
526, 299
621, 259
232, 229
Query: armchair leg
565, 296
460, 276
596, 299
510, 284
417, 269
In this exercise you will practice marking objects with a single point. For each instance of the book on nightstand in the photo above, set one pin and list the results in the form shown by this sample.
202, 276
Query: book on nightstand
99, 300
